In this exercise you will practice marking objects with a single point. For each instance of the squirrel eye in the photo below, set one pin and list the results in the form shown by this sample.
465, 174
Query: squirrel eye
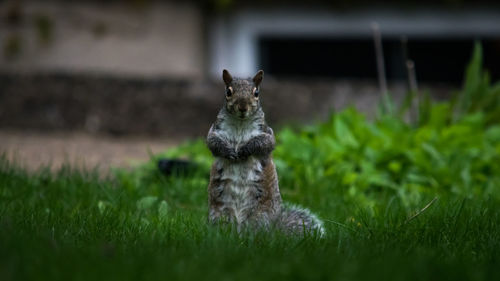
229, 92
256, 92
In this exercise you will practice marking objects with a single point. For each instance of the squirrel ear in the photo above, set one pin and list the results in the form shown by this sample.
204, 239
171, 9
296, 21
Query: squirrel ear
226, 77
258, 77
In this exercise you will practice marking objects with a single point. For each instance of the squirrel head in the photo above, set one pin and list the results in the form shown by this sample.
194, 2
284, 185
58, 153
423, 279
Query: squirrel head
242, 95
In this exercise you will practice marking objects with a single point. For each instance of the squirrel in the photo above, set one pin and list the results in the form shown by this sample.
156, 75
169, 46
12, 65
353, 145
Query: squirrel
243, 187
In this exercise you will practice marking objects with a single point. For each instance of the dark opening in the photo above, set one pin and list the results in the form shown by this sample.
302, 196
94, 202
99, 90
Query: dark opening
436, 60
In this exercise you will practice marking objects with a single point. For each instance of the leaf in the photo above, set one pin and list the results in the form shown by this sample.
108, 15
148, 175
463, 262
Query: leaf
493, 134
472, 79
163, 210
146, 202
433, 152
344, 134
103, 206
394, 166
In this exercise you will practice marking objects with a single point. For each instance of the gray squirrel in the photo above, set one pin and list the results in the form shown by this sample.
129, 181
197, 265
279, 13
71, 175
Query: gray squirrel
243, 187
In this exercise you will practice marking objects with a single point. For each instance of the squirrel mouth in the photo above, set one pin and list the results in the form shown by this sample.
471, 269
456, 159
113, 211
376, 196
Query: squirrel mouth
242, 115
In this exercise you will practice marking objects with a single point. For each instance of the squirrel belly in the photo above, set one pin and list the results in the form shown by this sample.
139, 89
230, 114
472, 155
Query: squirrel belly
244, 192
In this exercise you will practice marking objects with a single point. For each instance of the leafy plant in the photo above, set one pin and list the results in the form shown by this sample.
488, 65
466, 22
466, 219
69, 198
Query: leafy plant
454, 150
478, 93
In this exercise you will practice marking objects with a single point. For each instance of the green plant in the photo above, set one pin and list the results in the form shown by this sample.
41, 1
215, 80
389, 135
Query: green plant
479, 95
80, 225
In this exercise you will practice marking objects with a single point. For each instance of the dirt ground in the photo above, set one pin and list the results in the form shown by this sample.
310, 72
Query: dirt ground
33, 149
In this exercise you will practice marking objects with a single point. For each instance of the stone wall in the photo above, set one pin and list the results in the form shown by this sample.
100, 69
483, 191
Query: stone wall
166, 107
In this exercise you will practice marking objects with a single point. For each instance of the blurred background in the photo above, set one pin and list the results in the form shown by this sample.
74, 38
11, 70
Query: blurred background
105, 82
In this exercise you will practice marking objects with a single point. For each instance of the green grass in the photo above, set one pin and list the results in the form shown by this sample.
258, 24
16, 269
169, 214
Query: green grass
73, 225
369, 180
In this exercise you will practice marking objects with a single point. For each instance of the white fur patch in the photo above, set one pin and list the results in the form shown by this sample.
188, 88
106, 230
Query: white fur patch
238, 132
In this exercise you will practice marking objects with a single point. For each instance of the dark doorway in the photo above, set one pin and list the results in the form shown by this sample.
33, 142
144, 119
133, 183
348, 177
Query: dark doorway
436, 60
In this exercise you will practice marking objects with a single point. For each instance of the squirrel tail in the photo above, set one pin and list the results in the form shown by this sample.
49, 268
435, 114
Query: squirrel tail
298, 220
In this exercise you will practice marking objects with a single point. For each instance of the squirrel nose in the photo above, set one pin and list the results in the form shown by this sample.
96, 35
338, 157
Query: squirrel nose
242, 108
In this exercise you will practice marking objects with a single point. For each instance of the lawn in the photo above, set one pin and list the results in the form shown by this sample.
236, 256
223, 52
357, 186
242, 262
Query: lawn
401, 200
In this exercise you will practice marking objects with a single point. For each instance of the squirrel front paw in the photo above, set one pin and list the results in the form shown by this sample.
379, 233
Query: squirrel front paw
243, 154
231, 154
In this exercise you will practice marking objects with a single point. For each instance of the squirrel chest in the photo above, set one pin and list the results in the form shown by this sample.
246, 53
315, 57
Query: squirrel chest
238, 132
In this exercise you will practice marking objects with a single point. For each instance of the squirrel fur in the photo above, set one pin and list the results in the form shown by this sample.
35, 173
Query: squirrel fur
243, 186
